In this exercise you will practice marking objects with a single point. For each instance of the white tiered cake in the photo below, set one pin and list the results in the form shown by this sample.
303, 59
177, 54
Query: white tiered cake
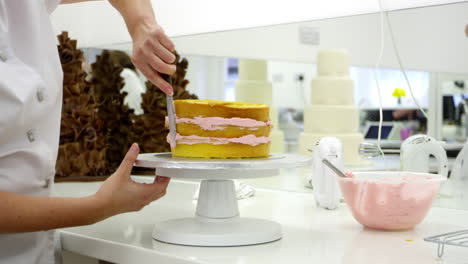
253, 86
332, 112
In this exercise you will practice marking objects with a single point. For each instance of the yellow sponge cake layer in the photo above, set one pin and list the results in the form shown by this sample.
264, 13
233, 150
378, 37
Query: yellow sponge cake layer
230, 150
214, 108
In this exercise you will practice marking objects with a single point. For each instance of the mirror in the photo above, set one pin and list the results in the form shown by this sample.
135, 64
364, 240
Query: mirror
430, 41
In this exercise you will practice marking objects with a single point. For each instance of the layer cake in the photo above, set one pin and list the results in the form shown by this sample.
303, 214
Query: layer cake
332, 111
220, 129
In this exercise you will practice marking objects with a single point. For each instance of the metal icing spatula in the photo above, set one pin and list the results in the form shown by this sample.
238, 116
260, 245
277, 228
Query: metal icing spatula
171, 115
333, 168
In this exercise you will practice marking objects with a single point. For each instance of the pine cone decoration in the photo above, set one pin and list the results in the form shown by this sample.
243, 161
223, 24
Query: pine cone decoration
82, 149
112, 111
149, 128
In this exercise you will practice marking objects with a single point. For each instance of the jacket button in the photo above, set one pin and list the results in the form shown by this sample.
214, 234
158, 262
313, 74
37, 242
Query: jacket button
47, 183
31, 136
40, 95
3, 56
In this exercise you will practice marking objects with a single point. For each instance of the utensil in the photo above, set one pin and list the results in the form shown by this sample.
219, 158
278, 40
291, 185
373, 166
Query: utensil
333, 168
457, 238
458, 181
371, 150
171, 115
460, 166
325, 186
415, 153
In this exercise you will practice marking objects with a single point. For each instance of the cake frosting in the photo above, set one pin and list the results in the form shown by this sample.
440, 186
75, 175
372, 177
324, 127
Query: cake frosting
247, 140
220, 123
171, 140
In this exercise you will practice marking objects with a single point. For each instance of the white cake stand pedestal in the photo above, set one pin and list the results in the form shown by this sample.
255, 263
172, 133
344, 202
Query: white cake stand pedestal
217, 222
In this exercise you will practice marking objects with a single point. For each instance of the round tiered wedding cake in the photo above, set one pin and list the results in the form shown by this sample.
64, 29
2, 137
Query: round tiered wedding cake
253, 86
332, 111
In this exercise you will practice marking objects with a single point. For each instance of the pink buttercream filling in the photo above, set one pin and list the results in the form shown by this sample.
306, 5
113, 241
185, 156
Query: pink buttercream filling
170, 140
248, 140
220, 123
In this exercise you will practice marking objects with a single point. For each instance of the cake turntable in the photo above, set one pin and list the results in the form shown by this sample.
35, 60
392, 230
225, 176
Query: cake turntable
217, 222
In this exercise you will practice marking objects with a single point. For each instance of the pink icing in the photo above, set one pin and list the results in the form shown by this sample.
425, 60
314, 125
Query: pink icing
389, 203
220, 123
251, 140
171, 141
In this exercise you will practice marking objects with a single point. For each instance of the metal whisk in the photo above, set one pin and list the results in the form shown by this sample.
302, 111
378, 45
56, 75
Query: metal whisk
371, 150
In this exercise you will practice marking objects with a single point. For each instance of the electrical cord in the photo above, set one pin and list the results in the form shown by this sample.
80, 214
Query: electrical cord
402, 68
376, 77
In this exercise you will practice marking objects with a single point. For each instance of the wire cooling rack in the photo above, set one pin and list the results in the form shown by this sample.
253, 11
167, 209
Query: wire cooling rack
457, 238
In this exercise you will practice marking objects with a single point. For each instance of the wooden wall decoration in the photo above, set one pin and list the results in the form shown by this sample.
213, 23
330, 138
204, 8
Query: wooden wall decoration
97, 128
113, 113
82, 150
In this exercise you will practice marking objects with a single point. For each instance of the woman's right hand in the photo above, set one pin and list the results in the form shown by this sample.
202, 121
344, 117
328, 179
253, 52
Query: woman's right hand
153, 53
120, 194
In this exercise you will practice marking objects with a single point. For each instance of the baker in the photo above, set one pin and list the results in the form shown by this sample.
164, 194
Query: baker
30, 107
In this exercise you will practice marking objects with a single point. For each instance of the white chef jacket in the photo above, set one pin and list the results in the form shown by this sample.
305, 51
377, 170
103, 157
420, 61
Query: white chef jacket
30, 109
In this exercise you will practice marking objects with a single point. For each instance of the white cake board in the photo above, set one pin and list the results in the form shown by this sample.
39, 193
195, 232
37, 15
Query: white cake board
217, 222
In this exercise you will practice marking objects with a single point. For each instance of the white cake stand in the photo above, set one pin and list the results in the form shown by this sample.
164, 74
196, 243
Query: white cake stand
217, 222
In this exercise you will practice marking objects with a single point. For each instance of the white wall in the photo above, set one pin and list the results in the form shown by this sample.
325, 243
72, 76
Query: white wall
449, 88
96, 23
93, 23
287, 91
366, 91
206, 76
430, 39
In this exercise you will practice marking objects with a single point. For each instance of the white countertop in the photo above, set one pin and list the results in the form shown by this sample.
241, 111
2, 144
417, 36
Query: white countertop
310, 234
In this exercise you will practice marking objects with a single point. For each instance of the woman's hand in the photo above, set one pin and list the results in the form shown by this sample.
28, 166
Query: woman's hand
120, 194
153, 53
152, 49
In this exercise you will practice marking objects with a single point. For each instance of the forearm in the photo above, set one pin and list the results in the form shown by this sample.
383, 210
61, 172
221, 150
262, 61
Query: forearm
21, 213
136, 13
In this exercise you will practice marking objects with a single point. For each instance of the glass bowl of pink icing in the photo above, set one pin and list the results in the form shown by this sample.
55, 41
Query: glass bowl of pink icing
390, 200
